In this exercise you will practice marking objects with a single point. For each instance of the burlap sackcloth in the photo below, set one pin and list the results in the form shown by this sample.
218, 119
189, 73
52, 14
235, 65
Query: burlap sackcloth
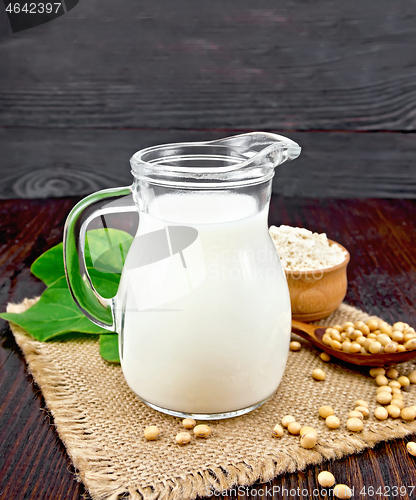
101, 422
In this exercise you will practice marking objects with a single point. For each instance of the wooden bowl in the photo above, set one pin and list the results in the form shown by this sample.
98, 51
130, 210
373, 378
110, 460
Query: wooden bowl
316, 294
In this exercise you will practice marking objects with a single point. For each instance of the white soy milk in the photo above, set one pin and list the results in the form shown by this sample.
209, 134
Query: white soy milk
205, 329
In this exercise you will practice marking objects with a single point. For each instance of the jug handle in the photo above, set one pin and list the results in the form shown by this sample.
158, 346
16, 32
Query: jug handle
97, 308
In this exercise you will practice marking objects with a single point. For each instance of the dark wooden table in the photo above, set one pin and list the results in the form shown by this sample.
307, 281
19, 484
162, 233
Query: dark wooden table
381, 237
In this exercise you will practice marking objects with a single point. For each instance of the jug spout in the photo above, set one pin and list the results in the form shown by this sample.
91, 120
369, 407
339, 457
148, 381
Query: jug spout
262, 148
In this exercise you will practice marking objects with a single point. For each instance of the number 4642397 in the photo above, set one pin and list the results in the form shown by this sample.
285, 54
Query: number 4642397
34, 8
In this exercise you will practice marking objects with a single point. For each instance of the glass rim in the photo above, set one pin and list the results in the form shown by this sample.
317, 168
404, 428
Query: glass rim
240, 160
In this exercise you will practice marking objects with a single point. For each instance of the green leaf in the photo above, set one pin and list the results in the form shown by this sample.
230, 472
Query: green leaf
106, 284
106, 249
54, 314
109, 348
49, 267
105, 253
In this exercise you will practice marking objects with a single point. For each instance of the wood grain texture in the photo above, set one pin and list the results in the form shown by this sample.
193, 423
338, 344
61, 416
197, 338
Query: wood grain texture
380, 236
80, 94
238, 65
40, 163
30, 447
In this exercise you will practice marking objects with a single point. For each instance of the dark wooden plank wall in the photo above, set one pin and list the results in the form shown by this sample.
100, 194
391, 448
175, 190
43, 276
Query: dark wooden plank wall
80, 94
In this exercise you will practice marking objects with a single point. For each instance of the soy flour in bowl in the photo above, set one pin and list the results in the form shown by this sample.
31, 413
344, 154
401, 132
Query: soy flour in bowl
316, 271
302, 250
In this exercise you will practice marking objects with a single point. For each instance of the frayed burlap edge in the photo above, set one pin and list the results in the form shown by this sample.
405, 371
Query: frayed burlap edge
95, 469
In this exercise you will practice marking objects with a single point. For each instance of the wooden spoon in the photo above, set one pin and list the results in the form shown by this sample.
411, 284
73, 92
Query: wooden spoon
314, 334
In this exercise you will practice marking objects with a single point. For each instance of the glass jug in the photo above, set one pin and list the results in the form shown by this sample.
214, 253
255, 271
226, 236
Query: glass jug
202, 309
